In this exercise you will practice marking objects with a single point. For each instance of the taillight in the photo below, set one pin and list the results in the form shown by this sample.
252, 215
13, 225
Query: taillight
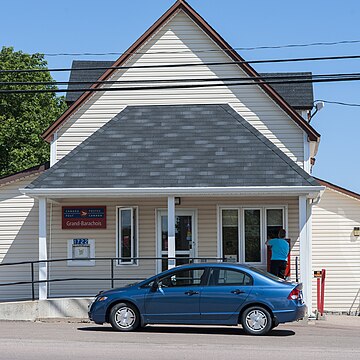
294, 295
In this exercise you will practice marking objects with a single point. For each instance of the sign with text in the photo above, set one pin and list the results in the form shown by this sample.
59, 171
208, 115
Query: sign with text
84, 217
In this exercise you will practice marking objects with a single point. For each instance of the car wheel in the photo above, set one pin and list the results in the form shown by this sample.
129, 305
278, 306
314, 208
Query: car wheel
124, 317
256, 321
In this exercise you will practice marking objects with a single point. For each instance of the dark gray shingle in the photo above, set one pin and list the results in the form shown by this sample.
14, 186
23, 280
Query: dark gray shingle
175, 146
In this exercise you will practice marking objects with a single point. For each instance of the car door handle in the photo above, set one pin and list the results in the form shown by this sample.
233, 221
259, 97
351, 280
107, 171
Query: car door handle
191, 292
237, 292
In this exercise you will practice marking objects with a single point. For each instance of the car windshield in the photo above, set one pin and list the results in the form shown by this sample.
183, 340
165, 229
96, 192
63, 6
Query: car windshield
267, 274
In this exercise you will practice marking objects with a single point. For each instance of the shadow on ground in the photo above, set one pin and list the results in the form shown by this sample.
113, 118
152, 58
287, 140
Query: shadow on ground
190, 330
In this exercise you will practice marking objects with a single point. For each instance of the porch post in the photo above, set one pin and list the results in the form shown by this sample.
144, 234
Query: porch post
43, 267
171, 231
305, 238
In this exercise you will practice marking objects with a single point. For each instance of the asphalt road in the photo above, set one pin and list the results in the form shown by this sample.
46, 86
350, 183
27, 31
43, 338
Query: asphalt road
62, 340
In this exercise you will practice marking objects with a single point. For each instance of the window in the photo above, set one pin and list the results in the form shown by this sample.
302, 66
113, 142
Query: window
183, 278
243, 231
252, 236
126, 235
274, 222
230, 234
227, 277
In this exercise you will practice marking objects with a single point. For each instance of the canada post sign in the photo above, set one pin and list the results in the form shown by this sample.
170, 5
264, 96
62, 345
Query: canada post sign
79, 217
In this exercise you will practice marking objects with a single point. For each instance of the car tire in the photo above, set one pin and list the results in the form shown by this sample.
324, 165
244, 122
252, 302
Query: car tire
124, 317
256, 320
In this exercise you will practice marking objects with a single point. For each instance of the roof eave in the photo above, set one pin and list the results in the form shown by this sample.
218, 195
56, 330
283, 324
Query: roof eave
310, 191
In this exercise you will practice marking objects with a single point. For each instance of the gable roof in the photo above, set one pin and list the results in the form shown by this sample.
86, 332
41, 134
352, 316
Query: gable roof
298, 95
38, 169
184, 6
338, 188
167, 146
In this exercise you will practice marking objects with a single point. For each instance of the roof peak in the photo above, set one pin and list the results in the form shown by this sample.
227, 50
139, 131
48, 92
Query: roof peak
211, 32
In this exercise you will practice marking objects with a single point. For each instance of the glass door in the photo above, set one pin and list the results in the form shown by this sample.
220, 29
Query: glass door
185, 244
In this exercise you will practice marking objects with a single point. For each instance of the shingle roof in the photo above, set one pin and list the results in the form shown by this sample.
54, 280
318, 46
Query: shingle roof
298, 95
86, 75
175, 146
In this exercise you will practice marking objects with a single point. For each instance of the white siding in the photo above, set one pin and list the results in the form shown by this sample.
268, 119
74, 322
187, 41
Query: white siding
181, 33
18, 237
336, 249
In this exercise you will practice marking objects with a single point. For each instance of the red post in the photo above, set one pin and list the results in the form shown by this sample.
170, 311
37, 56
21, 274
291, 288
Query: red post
323, 272
318, 294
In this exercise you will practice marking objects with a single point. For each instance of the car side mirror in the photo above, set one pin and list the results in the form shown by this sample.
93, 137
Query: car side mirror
154, 286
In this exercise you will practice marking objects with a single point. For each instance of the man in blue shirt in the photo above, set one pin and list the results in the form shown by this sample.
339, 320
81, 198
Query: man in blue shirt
279, 253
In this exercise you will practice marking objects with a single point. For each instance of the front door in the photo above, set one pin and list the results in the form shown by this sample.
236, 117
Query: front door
185, 239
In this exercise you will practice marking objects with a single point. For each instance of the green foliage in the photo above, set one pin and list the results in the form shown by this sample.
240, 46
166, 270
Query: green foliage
24, 117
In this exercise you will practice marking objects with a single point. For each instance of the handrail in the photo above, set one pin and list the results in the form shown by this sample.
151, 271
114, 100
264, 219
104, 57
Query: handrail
111, 278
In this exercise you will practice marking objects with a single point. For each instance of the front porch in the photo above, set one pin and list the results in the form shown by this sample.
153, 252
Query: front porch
208, 228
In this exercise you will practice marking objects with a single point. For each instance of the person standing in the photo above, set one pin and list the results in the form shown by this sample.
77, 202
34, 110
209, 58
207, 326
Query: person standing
279, 253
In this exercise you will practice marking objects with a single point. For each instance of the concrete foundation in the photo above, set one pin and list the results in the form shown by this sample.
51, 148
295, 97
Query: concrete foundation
45, 309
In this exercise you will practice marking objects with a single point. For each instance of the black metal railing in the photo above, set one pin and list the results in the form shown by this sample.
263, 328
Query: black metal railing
112, 262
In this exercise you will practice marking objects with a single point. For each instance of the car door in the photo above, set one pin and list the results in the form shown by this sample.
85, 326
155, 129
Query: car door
176, 298
226, 291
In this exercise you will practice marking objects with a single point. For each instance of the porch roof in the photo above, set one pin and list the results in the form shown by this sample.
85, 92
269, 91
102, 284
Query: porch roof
175, 146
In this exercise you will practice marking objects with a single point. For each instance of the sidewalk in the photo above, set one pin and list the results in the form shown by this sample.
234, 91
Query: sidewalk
337, 320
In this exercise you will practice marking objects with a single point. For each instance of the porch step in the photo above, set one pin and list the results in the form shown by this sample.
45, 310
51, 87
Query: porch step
45, 309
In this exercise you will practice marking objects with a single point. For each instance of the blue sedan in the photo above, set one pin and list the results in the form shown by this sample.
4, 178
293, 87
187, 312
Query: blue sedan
202, 294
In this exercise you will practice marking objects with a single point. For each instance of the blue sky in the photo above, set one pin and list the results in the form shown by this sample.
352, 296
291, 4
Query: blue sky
112, 26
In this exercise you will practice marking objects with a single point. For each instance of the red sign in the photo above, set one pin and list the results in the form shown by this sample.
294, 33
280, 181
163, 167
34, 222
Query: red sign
84, 217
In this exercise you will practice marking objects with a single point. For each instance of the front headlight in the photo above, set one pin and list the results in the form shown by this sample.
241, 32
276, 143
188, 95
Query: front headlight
102, 298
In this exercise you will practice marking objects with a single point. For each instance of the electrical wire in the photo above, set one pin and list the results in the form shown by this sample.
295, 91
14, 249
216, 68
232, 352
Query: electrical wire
342, 57
337, 103
343, 42
145, 81
186, 86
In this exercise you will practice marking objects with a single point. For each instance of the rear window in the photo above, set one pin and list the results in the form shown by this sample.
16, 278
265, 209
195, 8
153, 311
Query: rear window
267, 274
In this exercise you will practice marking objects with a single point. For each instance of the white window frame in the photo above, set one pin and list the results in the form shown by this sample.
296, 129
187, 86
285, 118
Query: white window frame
241, 226
242, 239
221, 232
134, 235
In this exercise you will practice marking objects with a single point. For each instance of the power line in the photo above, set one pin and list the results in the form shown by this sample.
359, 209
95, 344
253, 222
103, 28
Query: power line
343, 42
338, 103
283, 78
185, 86
343, 57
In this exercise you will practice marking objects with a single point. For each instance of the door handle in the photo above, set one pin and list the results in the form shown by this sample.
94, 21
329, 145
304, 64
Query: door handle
191, 292
237, 292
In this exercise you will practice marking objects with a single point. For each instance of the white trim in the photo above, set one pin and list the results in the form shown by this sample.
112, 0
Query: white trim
242, 239
43, 267
305, 250
171, 231
309, 191
135, 237
53, 149
307, 156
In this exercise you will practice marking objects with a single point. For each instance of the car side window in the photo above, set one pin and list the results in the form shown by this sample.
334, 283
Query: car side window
191, 277
226, 277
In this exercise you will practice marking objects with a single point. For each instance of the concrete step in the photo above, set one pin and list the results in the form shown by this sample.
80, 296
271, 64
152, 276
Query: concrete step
45, 309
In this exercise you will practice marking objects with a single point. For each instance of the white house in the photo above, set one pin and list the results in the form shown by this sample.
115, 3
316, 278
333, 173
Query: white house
182, 171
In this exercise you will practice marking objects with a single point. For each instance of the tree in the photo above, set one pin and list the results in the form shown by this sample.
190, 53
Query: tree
24, 117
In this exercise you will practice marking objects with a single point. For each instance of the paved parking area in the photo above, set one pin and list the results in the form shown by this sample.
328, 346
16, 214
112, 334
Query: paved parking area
72, 340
